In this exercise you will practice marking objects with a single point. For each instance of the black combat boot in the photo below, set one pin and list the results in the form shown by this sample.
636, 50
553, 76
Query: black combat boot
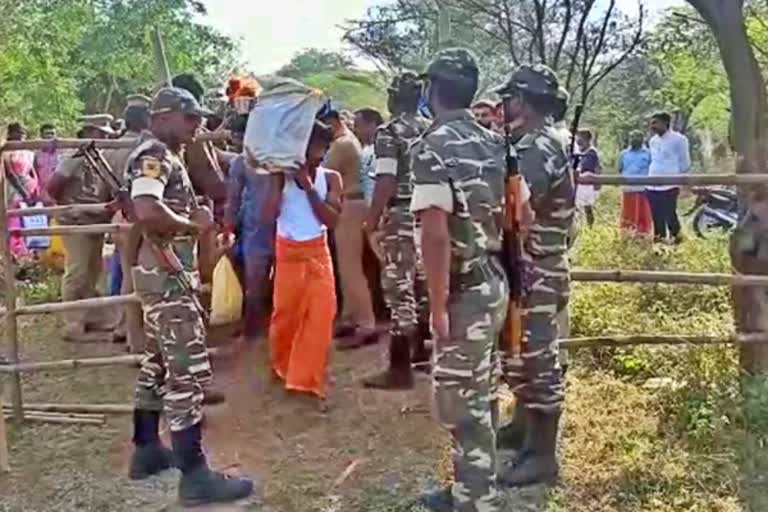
537, 464
399, 375
150, 457
199, 484
440, 500
421, 355
512, 435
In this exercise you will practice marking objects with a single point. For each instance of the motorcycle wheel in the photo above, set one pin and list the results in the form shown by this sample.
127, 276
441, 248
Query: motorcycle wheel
704, 225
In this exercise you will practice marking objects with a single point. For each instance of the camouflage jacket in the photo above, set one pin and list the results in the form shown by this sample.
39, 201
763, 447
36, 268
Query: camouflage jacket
154, 170
393, 141
459, 167
544, 163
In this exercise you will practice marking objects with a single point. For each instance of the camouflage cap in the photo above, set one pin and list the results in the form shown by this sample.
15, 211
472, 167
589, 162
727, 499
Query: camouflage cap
453, 64
535, 79
174, 99
405, 81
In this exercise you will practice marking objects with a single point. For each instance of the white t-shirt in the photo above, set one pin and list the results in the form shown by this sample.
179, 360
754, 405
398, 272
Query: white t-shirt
670, 156
296, 220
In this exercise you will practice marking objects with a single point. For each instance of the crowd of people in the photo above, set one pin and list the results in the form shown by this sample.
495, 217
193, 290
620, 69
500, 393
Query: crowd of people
425, 196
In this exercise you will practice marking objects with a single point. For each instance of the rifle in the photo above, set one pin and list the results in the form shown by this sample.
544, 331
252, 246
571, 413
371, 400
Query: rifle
512, 257
124, 203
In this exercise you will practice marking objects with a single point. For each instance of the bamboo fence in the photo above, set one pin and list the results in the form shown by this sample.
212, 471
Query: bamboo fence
92, 413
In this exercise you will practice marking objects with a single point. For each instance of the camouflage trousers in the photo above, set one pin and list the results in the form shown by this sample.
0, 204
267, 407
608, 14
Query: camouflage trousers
176, 366
536, 377
464, 382
403, 279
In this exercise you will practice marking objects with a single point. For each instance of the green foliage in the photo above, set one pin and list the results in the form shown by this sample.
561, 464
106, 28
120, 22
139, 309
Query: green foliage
59, 58
351, 89
312, 61
38, 285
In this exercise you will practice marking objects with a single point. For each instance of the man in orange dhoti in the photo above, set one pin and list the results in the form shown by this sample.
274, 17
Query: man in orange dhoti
306, 206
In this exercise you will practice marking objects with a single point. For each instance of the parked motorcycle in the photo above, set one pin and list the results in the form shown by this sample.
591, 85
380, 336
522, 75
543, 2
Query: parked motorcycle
716, 211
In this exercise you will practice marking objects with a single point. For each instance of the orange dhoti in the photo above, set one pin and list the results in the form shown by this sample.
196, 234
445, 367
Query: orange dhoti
636, 213
301, 330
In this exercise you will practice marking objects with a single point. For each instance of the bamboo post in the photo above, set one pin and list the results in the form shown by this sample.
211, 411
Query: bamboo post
34, 144
680, 180
80, 408
74, 305
74, 364
645, 276
57, 210
9, 278
85, 229
646, 339
5, 465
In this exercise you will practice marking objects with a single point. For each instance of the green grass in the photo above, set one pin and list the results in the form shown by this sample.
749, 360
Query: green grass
697, 444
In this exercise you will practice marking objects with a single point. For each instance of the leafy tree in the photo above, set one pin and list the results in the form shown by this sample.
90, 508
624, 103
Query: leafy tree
351, 89
314, 60
59, 58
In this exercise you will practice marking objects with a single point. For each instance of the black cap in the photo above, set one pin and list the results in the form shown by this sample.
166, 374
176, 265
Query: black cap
174, 99
405, 82
453, 64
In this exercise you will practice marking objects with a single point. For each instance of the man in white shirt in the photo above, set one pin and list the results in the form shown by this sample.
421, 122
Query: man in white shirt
670, 155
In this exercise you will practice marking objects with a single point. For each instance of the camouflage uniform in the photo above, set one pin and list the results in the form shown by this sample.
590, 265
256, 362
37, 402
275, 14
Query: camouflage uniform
544, 164
403, 281
176, 366
458, 166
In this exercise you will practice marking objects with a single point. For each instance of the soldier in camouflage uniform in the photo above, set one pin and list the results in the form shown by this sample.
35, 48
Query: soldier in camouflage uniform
458, 171
403, 283
530, 97
176, 365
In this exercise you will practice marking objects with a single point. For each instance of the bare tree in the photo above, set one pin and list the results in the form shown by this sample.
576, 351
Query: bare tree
749, 245
581, 39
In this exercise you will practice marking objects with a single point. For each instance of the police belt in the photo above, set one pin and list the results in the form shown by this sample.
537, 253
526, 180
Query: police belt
488, 269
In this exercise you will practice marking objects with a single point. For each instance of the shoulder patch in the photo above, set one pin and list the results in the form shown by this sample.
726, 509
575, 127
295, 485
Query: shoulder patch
150, 167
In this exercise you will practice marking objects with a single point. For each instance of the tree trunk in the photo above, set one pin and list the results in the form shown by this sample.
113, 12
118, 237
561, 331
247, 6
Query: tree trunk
749, 244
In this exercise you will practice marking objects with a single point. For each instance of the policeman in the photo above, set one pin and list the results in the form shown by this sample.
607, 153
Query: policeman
531, 95
403, 283
458, 172
176, 364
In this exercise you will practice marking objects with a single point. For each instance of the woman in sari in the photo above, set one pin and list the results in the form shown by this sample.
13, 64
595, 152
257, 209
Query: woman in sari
305, 206
23, 186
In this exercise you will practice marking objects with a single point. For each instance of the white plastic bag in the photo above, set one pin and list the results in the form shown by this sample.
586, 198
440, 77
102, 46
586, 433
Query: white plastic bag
280, 123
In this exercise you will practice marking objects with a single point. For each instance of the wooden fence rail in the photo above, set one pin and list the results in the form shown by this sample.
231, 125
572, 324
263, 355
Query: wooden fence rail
89, 229
648, 276
219, 135
11, 311
680, 179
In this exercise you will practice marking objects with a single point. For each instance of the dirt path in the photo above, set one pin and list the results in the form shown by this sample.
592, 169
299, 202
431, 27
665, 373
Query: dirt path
298, 453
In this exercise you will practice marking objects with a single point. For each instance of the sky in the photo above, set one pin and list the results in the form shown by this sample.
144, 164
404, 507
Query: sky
272, 31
